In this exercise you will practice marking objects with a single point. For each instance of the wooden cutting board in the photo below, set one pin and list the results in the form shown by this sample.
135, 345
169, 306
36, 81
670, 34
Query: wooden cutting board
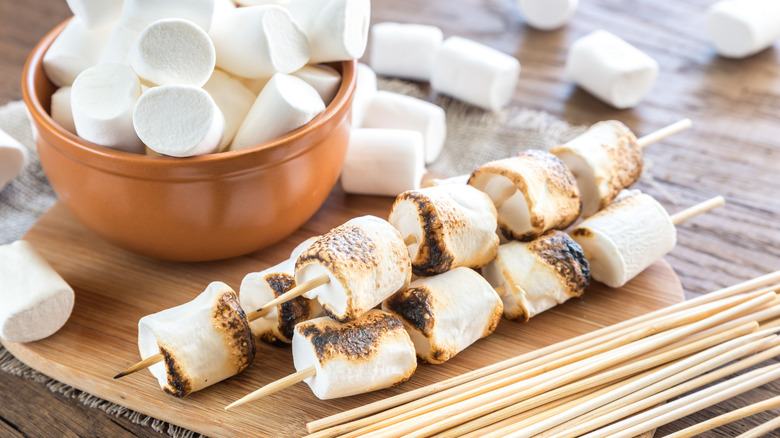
114, 289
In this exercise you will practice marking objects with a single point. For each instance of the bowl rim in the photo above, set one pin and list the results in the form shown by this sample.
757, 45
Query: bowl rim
203, 167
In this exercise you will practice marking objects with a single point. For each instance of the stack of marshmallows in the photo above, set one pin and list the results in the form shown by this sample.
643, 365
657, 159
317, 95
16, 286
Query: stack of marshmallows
192, 77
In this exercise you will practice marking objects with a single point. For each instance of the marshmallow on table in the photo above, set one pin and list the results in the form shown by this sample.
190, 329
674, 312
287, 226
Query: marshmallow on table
233, 99
102, 99
258, 41
397, 111
61, 111
740, 28
96, 13
611, 69
173, 51
547, 14
36, 300
285, 104
326, 80
75, 49
474, 73
179, 121
365, 90
404, 50
383, 162
13, 157
337, 29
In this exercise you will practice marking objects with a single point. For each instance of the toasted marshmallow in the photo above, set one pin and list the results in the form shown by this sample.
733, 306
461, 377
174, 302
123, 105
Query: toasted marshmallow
13, 158
740, 28
337, 29
76, 49
404, 50
234, 101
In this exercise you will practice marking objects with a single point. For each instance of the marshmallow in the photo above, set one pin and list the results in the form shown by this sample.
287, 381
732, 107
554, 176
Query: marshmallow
365, 90
547, 14
475, 73
383, 162
404, 50
397, 111
96, 13
285, 104
258, 41
611, 69
36, 300
253, 85
102, 100
179, 121
61, 111
326, 80
75, 49
13, 157
233, 100
458, 179
337, 29
173, 51
137, 14
117, 50
740, 28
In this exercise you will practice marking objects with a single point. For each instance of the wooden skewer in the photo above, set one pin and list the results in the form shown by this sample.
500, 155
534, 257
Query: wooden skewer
697, 209
146, 363
728, 417
662, 133
762, 430
272, 387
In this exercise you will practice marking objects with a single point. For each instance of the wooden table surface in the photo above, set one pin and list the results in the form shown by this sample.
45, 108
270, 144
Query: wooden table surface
732, 150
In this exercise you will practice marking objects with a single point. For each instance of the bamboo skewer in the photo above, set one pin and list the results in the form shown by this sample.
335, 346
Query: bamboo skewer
762, 429
697, 209
272, 387
664, 132
726, 418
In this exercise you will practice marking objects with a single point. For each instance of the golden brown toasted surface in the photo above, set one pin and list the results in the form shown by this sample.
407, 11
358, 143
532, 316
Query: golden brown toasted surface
179, 382
433, 257
564, 255
347, 244
415, 306
290, 312
229, 319
626, 158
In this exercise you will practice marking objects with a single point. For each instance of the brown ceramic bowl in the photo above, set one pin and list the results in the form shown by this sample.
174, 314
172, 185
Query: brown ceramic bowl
191, 209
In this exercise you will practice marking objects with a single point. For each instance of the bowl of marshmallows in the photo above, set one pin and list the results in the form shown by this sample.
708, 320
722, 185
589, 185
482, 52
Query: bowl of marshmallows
195, 130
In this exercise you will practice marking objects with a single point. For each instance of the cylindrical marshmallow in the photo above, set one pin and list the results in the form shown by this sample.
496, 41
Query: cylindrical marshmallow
36, 300
534, 276
96, 13
547, 14
365, 90
285, 104
446, 313
475, 73
118, 46
404, 50
137, 14
203, 341
233, 100
365, 260
370, 353
383, 162
13, 157
453, 225
173, 51
258, 41
533, 192
75, 49
326, 80
740, 28
102, 99
179, 121
623, 239
397, 111
457, 179
604, 160
337, 29
611, 69
61, 111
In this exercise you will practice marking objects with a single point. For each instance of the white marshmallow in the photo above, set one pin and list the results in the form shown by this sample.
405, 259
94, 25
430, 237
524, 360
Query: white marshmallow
285, 104
475, 73
137, 14
397, 111
253, 85
233, 99
117, 50
75, 49
61, 111
404, 50
258, 41
365, 90
547, 14
611, 69
36, 300
383, 162
173, 51
13, 157
102, 100
179, 121
326, 80
337, 29
96, 13
740, 28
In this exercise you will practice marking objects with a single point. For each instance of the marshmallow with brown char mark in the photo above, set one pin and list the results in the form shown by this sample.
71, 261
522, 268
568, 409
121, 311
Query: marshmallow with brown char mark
604, 160
76, 49
534, 192
337, 29
623, 239
370, 353
223, 347
453, 225
13, 158
325, 79
365, 260
404, 50
534, 276
233, 99
447, 312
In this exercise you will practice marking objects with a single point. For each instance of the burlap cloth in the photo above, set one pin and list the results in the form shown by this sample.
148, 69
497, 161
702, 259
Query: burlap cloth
474, 136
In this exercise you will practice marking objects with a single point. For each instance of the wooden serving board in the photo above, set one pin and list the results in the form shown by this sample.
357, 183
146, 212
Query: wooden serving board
114, 289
